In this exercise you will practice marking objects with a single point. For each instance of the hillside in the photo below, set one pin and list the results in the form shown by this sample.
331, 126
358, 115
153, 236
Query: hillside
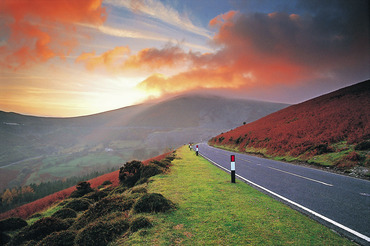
162, 210
331, 130
35, 149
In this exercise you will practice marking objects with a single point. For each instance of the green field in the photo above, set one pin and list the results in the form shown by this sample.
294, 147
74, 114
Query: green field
212, 211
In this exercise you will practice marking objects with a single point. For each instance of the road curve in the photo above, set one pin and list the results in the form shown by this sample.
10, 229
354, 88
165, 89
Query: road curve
340, 202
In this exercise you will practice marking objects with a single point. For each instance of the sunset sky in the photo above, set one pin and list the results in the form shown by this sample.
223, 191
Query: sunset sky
70, 58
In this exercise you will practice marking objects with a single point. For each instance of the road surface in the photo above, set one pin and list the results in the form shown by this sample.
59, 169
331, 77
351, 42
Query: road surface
338, 201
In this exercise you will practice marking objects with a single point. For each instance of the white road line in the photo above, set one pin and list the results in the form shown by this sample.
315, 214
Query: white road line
314, 180
343, 227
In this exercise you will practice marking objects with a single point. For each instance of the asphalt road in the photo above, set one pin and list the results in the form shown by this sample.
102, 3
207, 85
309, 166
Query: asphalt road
338, 201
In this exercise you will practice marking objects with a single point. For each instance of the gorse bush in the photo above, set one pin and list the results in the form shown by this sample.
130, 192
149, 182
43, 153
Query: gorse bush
105, 206
107, 182
12, 224
82, 188
139, 223
78, 204
4, 238
135, 172
153, 202
39, 230
97, 195
150, 170
60, 238
101, 233
139, 189
129, 174
65, 213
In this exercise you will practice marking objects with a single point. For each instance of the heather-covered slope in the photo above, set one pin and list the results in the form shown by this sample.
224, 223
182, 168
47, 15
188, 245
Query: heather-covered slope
331, 130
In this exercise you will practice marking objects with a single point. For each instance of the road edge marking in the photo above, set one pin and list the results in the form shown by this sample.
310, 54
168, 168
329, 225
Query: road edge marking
307, 210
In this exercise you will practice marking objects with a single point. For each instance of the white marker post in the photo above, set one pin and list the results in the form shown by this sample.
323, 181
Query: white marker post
232, 168
196, 150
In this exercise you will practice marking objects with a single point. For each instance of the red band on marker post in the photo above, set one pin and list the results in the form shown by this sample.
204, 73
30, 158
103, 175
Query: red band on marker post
232, 168
196, 150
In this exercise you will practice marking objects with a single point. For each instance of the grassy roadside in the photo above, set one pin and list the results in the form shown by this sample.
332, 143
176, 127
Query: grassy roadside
212, 211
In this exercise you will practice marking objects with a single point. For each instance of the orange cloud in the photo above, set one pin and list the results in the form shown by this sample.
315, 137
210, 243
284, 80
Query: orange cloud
39, 30
149, 59
108, 59
154, 58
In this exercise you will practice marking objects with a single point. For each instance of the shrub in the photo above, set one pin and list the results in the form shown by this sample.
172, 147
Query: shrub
139, 189
12, 224
70, 221
101, 233
107, 182
39, 230
365, 145
160, 163
96, 195
118, 190
102, 208
79, 204
140, 222
149, 170
4, 238
82, 188
60, 238
129, 174
65, 213
152, 202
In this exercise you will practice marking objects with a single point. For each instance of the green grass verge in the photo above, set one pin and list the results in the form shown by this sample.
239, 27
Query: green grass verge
212, 211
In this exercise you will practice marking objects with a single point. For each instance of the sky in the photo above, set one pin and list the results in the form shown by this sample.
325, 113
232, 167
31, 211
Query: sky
68, 58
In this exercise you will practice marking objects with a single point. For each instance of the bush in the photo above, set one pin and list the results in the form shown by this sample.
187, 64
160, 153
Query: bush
79, 204
39, 230
60, 238
107, 182
118, 190
12, 224
102, 208
140, 222
152, 202
139, 189
96, 195
70, 221
4, 238
65, 213
129, 174
82, 188
160, 163
101, 233
149, 170
365, 145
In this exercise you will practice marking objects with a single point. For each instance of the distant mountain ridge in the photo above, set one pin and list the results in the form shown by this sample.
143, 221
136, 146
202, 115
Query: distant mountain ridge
74, 146
330, 130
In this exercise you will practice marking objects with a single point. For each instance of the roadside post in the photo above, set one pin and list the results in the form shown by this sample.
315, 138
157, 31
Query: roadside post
232, 168
190, 146
196, 150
